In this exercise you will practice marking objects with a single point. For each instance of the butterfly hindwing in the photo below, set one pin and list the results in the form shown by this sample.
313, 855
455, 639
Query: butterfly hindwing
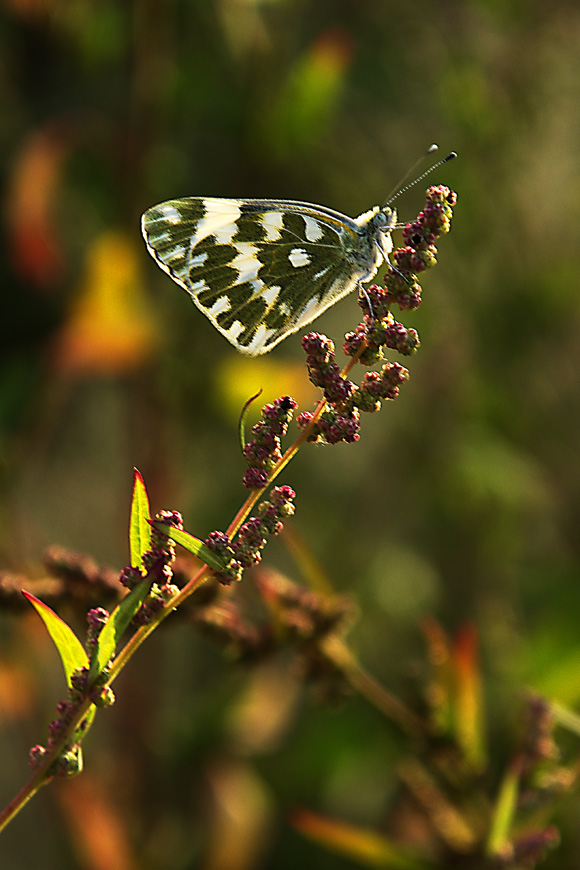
258, 269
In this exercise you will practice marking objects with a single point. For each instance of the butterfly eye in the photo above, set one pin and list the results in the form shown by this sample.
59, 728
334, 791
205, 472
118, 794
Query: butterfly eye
383, 218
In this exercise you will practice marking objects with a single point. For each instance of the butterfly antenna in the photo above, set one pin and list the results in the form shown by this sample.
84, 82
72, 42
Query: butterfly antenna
399, 188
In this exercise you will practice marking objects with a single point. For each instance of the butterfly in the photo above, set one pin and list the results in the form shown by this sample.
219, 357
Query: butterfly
261, 269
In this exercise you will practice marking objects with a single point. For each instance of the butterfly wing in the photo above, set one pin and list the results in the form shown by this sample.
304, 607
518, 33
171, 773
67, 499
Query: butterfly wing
258, 269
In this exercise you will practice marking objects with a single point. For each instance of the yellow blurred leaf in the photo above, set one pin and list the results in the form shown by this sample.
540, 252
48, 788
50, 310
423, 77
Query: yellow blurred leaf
364, 846
110, 326
503, 812
469, 727
238, 819
239, 377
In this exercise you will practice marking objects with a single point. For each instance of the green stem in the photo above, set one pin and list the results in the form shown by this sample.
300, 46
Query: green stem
42, 774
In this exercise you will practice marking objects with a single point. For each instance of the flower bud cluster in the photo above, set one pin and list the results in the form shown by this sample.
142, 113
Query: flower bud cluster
264, 451
157, 564
306, 619
529, 848
96, 618
69, 760
69, 763
340, 420
541, 772
159, 557
158, 597
539, 744
80, 574
303, 614
419, 252
222, 622
247, 549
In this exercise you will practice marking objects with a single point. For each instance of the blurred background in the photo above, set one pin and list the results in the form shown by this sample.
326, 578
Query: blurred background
462, 498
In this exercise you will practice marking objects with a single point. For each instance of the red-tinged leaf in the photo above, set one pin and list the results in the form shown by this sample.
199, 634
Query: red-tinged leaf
361, 844
116, 625
139, 527
70, 649
193, 544
34, 244
468, 697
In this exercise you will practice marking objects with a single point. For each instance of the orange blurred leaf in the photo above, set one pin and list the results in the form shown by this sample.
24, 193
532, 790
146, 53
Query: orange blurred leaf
98, 829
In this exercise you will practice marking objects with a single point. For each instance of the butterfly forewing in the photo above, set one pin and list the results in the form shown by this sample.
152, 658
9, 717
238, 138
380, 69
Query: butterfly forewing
259, 269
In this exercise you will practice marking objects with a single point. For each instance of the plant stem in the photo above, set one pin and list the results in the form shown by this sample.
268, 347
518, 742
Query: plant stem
358, 678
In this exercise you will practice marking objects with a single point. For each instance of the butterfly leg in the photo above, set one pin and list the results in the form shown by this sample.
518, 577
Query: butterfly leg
363, 290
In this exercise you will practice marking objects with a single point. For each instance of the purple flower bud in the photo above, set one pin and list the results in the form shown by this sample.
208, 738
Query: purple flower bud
130, 576
255, 478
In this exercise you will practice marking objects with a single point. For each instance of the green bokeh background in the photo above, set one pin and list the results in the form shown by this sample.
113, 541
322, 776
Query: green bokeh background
462, 498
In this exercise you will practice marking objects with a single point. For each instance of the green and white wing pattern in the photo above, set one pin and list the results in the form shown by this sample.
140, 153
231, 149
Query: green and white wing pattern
262, 269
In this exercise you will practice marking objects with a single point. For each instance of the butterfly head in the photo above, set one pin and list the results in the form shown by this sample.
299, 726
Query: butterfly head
385, 219
382, 219
379, 223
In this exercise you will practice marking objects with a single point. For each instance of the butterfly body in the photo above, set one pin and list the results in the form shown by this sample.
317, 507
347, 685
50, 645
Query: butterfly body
260, 269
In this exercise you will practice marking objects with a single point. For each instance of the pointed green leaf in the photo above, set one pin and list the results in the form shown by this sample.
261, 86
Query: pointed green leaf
193, 544
70, 649
139, 528
116, 625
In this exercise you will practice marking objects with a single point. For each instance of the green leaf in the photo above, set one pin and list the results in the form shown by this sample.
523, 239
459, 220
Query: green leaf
116, 625
139, 528
193, 544
504, 811
70, 649
566, 718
